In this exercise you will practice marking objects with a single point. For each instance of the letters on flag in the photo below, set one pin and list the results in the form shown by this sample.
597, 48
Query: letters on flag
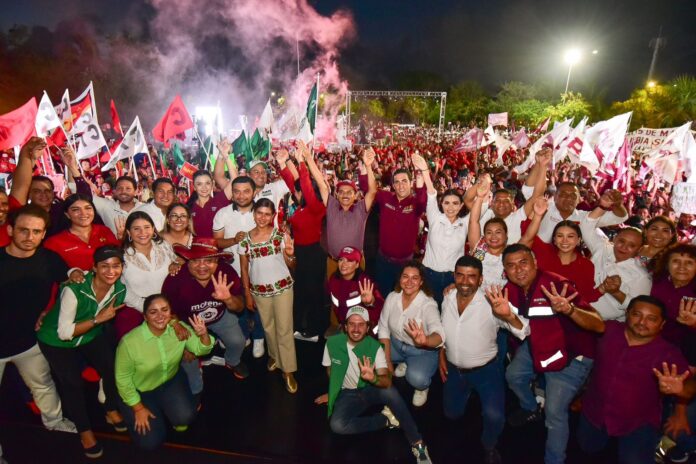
17, 126
133, 142
91, 140
46, 117
83, 111
498, 119
174, 122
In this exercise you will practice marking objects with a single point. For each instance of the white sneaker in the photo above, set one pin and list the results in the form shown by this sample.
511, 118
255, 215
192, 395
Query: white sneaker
64, 425
247, 342
400, 370
213, 361
393, 421
259, 348
101, 397
420, 397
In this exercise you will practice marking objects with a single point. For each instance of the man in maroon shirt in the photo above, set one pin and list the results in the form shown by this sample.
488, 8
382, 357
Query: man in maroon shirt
623, 399
211, 289
560, 345
399, 218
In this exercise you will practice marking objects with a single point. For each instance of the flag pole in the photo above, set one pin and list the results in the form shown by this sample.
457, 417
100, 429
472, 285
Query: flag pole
205, 149
316, 111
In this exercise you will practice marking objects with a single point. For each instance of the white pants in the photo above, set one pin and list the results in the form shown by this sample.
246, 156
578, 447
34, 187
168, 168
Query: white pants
34, 369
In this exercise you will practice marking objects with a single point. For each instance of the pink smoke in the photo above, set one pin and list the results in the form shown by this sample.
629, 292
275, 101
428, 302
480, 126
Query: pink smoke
261, 31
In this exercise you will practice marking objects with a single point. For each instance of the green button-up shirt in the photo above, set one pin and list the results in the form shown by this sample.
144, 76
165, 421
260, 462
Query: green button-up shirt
145, 361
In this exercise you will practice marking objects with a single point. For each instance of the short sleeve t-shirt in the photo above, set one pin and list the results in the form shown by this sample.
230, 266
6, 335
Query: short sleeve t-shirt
350, 381
27, 286
202, 216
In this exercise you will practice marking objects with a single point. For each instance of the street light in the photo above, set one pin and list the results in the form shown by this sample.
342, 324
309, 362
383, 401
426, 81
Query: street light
652, 84
571, 57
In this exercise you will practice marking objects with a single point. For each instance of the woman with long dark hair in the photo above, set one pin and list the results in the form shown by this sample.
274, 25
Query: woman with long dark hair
204, 203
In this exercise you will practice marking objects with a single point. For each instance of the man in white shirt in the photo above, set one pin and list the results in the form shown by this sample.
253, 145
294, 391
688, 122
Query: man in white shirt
230, 225
468, 359
563, 207
164, 191
115, 211
618, 274
273, 190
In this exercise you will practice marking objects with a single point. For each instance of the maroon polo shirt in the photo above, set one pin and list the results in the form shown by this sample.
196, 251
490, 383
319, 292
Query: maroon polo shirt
674, 332
345, 228
579, 342
202, 216
623, 392
346, 293
188, 297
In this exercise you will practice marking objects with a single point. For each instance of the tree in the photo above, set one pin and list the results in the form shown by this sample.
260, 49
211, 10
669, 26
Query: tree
572, 105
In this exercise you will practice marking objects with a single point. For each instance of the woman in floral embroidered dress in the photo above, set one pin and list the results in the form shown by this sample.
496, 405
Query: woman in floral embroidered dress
266, 256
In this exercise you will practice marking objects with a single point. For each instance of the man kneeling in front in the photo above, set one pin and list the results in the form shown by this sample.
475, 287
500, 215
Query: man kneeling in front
359, 379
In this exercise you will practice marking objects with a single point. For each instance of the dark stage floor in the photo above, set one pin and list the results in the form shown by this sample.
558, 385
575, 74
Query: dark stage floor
257, 421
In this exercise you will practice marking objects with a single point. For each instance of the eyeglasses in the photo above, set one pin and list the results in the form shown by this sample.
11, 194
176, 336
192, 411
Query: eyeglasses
178, 217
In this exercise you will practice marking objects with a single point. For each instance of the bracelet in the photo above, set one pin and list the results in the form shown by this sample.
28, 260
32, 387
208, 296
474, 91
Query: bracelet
94, 321
572, 310
291, 257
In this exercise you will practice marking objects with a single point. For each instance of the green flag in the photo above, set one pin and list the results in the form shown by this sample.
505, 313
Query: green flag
259, 145
178, 156
312, 104
205, 150
241, 146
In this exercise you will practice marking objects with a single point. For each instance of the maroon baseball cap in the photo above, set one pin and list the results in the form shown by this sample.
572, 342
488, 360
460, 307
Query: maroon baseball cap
351, 254
348, 183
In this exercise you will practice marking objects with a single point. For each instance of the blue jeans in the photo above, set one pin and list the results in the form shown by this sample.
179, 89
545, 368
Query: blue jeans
387, 273
171, 400
687, 443
250, 322
489, 383
421, 364
350, 404
561, 388
438, 281
638, 447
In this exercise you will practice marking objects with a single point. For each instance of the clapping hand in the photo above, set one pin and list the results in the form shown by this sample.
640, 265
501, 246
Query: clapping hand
198, 325
416, 332
560, 303
669, 381
221, 290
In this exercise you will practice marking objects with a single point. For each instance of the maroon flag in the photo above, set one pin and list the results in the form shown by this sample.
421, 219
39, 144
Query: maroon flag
17, 126
543, 127
175, 121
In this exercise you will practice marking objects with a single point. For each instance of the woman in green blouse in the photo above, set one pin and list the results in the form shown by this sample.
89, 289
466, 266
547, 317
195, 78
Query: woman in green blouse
148, 377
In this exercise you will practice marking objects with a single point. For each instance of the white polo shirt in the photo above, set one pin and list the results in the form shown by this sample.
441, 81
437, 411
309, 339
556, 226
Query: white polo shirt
109, 209
232, 221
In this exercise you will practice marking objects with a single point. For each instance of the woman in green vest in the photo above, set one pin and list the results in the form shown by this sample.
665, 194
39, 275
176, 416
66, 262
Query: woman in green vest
73, 331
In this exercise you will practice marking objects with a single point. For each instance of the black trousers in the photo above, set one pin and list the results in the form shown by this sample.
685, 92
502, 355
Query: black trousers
66, 367
309, 311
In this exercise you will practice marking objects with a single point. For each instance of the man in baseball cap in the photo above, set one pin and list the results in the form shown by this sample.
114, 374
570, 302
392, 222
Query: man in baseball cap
358, 380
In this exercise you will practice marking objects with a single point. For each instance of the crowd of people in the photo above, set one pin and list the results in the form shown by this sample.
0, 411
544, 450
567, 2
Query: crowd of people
546, 283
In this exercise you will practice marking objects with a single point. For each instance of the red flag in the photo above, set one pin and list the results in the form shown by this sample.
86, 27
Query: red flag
187, 170
543, 126
115, 119
175, 121
17, 126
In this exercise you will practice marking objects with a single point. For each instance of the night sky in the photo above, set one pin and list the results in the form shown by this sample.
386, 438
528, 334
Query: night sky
490, 41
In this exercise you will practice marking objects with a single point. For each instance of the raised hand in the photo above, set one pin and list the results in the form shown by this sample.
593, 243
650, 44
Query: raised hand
67, 156
33, 148
610, 199
544, 156
367, 369
419, 162
282, 156
367, 288
221, 288
368, 157
669, 380
687, 312
500, 302
223, 147
560, 303
198, 325
289, 244
416, 332
302, 152
540, 206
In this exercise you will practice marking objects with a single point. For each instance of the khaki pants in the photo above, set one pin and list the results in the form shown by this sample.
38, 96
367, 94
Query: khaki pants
276, 318
36, 373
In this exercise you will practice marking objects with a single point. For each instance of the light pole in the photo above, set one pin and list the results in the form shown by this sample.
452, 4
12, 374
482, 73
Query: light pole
571, 57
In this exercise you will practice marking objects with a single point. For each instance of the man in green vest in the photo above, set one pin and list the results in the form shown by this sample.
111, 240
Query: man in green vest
358, 380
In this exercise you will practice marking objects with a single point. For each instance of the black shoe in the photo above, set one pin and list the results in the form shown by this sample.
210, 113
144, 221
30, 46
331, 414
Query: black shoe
523, 417
492, 456
240, 371
95, 451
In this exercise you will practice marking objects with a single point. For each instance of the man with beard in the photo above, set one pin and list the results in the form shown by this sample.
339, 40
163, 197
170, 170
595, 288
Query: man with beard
634, 365
560, 345
113, 212
230, 225
359, 379
164, 190
467, 361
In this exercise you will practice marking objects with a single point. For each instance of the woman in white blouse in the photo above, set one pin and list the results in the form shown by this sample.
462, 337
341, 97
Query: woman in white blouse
446, 233
409, 320
147, 261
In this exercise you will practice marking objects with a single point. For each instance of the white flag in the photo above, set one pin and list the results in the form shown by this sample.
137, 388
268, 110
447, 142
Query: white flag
305, 132
63, 110
289, 125
91, 140
46, 117
133, 143
606, 137
488, 136
664, 160
557, 135
89, 112
265, 125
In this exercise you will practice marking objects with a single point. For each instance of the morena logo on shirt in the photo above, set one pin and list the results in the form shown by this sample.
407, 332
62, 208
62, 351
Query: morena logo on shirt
408, 209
